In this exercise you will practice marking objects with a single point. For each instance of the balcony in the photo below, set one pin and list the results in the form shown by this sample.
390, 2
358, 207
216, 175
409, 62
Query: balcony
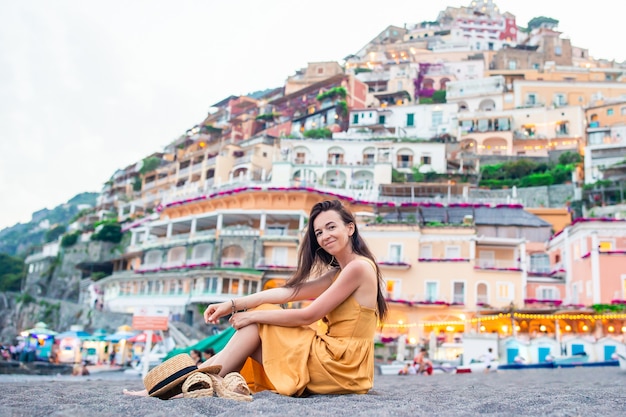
281, 234
242, 160
539, 304
497, 265
239, 231
184, 172
269, 264
394, 263
232, 263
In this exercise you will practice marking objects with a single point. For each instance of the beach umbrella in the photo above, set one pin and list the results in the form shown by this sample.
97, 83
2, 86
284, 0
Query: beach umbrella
216, 342
40, 330
143, 337
119, 336
98, 335
74, 334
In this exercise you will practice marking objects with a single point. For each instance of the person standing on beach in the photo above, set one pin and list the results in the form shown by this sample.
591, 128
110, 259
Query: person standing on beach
326, 347
488, 359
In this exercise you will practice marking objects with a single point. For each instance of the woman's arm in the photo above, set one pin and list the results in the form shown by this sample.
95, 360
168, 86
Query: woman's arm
309, 290
345, 285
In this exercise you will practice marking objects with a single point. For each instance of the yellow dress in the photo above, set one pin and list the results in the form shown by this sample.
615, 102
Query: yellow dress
336, 359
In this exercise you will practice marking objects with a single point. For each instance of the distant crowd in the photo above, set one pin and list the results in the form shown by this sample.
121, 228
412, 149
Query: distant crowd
422, 365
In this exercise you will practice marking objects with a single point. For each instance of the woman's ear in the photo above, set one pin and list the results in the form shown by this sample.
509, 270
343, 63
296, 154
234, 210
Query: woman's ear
351, 229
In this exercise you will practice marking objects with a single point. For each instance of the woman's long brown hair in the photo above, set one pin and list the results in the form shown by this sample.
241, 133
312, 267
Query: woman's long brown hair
313, 260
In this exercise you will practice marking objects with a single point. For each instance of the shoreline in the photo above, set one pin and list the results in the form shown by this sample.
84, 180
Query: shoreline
557, 392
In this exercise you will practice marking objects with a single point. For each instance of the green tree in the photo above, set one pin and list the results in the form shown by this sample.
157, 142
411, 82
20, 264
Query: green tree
570, 158
11, 272
108, 232
318, 133
439, 96
69, 239
54, 233
537, 22
397, 176
149, 164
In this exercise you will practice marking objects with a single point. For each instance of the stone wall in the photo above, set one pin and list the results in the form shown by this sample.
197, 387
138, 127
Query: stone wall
544, 196
18, 313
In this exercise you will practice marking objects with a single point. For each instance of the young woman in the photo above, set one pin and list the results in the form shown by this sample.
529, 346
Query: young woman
326, 347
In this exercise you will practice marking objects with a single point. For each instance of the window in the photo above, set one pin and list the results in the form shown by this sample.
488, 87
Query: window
381, 119
540, 263
562, 127
426, 252
395, 252
558, 51
575, 291
210, 285
458, 297
605, 246
410, 119
437, 118
405, 161
609, 111
505, 291
425, 160
548, 293
529, 131
394, 288
482, 296
431, 291
355, 119
486, 259
589, 288
512, 65
279, 256
622, 111
531, 99
276, 231
560, 99
453, 252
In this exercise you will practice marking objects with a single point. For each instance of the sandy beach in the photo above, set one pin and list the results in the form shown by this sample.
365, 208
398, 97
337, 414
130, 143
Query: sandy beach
534, 392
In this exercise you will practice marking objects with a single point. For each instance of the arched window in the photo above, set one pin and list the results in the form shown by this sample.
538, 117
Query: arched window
482, 296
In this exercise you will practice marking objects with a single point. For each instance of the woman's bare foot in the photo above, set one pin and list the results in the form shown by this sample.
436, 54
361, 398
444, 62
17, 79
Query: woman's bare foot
142, 393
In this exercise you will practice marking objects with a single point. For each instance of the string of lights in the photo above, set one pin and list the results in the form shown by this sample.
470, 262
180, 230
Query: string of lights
526, 316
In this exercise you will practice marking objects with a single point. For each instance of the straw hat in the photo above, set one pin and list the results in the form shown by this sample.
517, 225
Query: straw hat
165, 380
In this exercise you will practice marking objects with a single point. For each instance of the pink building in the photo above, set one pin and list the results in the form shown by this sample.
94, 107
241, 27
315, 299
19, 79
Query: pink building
592, 255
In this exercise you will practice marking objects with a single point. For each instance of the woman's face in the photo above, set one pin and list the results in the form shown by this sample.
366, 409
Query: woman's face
331, 233
195, 356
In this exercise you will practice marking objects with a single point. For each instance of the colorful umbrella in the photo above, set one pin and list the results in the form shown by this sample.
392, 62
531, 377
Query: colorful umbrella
40, 330
143, 337
75, 334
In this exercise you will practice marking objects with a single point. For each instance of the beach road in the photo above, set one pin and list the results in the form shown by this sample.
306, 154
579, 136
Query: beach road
599, 391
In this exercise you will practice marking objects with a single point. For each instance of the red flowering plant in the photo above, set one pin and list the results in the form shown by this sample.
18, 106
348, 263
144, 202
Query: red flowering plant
443, 260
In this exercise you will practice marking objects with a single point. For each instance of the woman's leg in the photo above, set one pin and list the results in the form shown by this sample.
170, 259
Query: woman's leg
244, 343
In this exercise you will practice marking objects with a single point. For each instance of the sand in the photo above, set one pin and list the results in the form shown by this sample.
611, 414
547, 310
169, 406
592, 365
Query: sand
533, 392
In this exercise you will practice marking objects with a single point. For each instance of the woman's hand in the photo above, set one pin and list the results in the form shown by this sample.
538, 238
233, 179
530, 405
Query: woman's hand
242, 319
214, 311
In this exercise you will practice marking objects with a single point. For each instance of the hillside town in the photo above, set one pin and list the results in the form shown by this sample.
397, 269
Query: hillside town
484, 162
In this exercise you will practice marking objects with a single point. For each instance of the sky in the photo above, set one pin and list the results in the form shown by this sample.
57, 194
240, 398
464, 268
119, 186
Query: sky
89, 87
